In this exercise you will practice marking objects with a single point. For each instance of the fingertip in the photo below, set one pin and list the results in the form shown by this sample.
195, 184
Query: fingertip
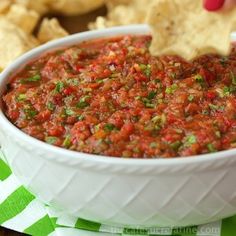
229, 4
213, 5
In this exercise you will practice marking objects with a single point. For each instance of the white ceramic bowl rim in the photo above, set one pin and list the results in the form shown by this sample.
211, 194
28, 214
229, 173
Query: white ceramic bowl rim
70, 40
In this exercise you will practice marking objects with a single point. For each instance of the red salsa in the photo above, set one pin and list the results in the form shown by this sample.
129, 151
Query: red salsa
112, 97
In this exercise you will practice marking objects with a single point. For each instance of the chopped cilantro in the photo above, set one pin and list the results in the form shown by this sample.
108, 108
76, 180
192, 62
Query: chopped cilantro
142, 66
146, 69
225, 91
51, 139
176, 145
30, 113
34, 78
205, 112
69, 112
82, 105
50, 106
172, 75
21, 97
97, 127
151, 95
100, 80
171, 89
156, 119
84, 98
191, 139
211, 147
153, 145
59, 86
233, 77
159, 119
157, 81
109, 127
214, 107
66, 142
152, 127
80, 117
73, 81
82, 102
190, 97
198, 78
232, 88
149, 105
136, 150
147, 102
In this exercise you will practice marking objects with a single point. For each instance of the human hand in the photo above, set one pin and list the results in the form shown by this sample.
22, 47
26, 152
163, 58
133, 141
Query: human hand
214, 5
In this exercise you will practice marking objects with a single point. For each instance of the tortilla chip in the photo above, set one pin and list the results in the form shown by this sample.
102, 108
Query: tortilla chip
14, 42
183, 27
113, 3
99, 23
73, 7
40, 6
24, 18
50, 29
123, 12
4, 6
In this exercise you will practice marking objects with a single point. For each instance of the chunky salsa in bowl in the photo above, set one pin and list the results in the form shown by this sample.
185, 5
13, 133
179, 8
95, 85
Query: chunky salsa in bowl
112, 97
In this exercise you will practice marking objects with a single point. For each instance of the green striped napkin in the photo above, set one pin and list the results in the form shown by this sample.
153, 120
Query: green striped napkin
21, 211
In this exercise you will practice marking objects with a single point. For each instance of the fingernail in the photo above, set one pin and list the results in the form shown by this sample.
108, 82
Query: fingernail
213, 5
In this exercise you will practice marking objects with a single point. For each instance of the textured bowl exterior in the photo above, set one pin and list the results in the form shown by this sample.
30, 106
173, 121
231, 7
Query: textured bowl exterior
173, 192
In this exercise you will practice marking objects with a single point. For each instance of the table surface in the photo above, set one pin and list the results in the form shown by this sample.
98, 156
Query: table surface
73, 24
6, 232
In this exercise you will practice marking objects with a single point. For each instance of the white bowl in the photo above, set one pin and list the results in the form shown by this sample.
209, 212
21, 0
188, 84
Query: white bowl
150, 192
